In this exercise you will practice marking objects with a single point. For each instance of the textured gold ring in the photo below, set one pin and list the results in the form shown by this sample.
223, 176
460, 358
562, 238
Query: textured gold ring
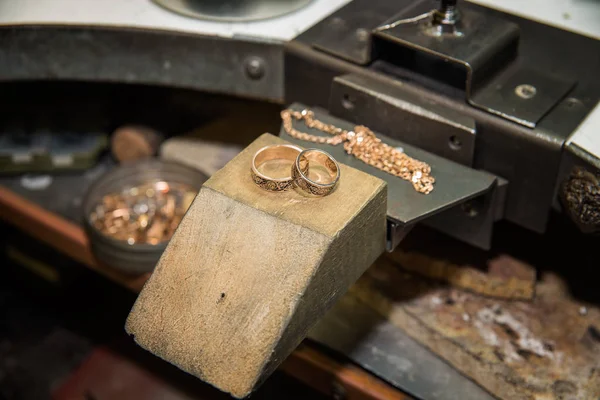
312, 157
274, 152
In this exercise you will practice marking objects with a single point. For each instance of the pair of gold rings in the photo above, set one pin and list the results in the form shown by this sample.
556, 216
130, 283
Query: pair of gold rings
302, 160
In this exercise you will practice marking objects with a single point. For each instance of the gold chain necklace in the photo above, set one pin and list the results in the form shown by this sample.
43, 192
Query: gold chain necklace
364, 145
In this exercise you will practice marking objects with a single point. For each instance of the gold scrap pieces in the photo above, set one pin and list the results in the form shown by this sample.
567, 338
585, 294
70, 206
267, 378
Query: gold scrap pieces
147, 213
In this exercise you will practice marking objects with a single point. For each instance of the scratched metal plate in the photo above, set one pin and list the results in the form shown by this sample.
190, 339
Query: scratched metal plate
355, 330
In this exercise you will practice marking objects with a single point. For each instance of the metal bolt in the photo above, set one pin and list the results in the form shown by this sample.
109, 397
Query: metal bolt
448, 12
445, 20
254, 67
573, 102
525, 91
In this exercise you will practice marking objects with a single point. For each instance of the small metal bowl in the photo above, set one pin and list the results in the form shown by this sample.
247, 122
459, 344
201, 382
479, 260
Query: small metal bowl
132, 257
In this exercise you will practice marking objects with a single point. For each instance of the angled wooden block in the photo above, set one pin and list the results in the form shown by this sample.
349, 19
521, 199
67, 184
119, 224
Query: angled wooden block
249, 272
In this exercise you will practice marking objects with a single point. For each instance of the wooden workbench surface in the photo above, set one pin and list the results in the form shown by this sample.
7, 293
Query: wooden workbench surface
306, 363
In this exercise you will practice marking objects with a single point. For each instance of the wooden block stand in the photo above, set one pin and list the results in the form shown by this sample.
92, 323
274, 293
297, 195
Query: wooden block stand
249, 272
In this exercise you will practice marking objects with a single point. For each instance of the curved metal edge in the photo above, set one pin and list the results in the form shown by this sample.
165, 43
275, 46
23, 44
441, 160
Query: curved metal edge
242, 12
152, 57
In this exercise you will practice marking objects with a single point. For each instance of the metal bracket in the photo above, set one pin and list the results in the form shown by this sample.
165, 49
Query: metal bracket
346, 34
455, 183
479, 56
386, 106
473, 221
395, 234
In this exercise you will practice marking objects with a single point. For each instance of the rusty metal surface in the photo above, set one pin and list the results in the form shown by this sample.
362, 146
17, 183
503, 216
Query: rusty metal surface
506, 278
548, 348
580, 195
356, 330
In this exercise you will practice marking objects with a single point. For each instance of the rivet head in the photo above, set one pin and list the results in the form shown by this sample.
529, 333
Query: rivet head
254, 67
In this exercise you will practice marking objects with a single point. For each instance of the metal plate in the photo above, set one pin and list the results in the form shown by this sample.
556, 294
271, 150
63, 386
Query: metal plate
587, 134
455, 183
487, 44
522, 95
356, 331
384, 105
482, 41
347, 33
233, 10
471, 222
469, 61
243, 67
503, 148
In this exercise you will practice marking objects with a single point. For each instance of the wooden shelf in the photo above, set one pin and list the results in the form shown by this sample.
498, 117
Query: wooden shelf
57, 232
307, 364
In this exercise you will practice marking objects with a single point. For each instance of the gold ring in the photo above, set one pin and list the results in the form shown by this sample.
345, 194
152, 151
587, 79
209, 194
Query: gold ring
300, 175
274, 152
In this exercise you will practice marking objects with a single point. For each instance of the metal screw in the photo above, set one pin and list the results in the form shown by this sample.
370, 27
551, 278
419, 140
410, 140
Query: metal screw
525, 91
448, 12
573, 102
255, 67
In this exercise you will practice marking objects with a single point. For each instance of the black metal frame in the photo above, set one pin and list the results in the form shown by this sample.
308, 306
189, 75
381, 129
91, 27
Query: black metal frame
527, 155
464, 108
245, 67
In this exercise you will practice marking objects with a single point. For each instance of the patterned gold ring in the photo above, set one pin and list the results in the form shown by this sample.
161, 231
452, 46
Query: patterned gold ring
274, 152
312, 157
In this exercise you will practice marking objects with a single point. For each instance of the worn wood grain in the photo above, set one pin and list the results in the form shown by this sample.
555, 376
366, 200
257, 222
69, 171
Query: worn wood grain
248, 272
306, 363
